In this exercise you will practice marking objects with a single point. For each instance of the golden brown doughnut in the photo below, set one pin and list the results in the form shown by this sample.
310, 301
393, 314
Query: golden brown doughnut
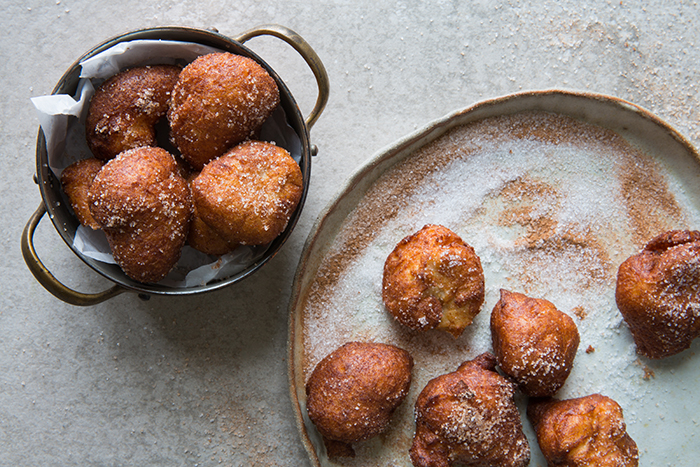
124, 110
219, 100
353, 391
535, 344
469, 417
76, 179
248, 195
585, 432
658, 293
143, 204
433, 279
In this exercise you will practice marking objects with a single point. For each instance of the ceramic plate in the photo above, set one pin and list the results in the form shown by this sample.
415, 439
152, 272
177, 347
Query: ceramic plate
553, 190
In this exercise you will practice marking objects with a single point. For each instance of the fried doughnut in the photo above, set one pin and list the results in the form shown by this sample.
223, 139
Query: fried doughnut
469, 417
124, 110
433, 280
534, 343
203, 238
76, 179
588, 431
353, 392
248, 195
658, 293
143, 204
220, 99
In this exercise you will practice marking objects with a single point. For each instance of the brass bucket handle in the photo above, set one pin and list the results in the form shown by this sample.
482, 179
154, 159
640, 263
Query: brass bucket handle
47, 280
307, 53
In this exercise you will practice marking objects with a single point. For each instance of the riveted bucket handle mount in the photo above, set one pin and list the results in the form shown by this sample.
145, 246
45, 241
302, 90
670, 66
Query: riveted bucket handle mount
307, 53
47, 280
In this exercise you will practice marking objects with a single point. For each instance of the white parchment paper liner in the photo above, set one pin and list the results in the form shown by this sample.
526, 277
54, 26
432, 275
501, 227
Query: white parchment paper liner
62, 119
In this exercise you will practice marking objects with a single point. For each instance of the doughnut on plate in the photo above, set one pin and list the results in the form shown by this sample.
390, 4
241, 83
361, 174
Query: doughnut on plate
553, 190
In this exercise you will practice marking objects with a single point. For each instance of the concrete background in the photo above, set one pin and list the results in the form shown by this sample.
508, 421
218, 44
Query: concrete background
203, 380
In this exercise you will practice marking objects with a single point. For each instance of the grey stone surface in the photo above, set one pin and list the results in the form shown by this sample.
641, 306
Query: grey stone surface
203, 380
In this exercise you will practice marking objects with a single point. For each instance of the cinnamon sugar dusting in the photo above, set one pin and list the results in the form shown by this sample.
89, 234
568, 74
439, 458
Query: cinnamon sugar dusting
579, 312
651, 206
551, 206
647, 373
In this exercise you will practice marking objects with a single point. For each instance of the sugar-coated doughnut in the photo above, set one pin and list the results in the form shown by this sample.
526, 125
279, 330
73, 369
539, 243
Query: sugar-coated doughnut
582, 432
535, 344
353, 392
658, 293
469, 417
124, 110
220, 99
248, 195
143, 204
433, 280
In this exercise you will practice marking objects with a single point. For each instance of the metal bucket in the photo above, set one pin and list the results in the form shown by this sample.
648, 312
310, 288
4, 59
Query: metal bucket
54, 201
